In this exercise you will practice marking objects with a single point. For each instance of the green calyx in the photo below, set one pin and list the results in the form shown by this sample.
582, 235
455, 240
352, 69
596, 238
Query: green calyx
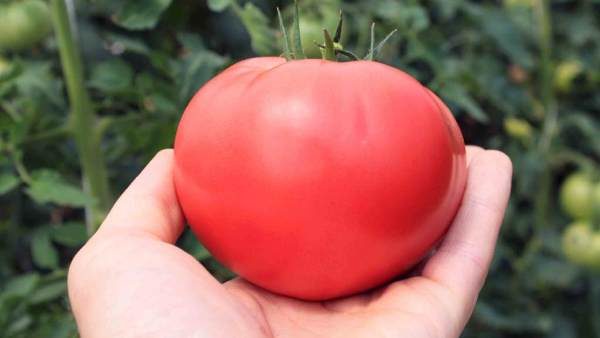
331, 49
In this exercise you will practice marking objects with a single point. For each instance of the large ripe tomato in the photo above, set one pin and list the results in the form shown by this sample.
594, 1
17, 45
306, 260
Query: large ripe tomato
317, 179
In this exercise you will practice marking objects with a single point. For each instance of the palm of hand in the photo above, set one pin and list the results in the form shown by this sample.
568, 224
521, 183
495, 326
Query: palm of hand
130, 281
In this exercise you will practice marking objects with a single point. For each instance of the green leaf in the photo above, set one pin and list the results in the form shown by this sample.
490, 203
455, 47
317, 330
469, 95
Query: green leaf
128, 43
20, 286
48, 292
499, 26
44, 254
218, 5
457, 95
138, 14
48, 186
262, 37
37, 82
70, 234
197, 67
114, 76
19, 325
8, 182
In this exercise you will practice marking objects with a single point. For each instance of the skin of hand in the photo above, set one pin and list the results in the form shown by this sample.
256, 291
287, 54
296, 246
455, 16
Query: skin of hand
130, 280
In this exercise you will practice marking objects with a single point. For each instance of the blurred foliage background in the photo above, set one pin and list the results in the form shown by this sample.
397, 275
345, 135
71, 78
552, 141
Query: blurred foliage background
522, 76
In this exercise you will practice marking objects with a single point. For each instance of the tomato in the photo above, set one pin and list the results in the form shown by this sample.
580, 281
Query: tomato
579, 195
566, 73
318, 179
23, 24
518, 129
581, 245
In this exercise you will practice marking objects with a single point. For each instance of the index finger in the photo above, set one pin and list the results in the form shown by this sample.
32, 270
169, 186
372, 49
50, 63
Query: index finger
149, 205
463, 258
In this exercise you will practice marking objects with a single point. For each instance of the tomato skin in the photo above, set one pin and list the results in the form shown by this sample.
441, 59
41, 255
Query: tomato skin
581, 245
565, 75
23, 24
317, 179
579, 195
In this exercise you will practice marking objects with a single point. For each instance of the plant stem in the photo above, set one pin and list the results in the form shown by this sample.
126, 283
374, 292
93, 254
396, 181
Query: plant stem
47, 134
542, 198
542, 14
82, 119
20, 167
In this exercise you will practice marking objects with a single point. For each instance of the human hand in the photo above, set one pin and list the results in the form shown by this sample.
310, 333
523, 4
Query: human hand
130, 280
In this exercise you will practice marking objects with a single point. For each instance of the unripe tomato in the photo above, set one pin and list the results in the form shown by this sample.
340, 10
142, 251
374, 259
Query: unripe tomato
518, 129
581, 245
566, 72
23, 24
578, 196
318, 179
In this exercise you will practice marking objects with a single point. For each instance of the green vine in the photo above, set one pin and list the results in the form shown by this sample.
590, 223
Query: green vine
82, 119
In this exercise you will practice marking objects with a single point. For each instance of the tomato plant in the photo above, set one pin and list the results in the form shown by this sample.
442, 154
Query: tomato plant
321, 170
23, 24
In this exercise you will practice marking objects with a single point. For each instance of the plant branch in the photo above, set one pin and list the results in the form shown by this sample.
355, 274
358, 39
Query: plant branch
82, 119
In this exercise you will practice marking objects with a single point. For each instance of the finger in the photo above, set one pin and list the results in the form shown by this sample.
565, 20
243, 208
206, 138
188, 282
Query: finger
149, 205
463, 258
473, 151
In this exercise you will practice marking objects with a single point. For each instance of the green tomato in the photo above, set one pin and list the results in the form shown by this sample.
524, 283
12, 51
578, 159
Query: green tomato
566, 72
518, 129
23, 24
579, 196
581, 245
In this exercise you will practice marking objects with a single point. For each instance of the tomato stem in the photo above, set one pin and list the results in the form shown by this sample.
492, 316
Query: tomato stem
338, 30
329, 51
286, 39
292, 50
373, 51
82, 119
297, 46
369, 55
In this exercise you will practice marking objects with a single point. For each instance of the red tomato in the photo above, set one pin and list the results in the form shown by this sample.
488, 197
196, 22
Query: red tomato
317, 179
